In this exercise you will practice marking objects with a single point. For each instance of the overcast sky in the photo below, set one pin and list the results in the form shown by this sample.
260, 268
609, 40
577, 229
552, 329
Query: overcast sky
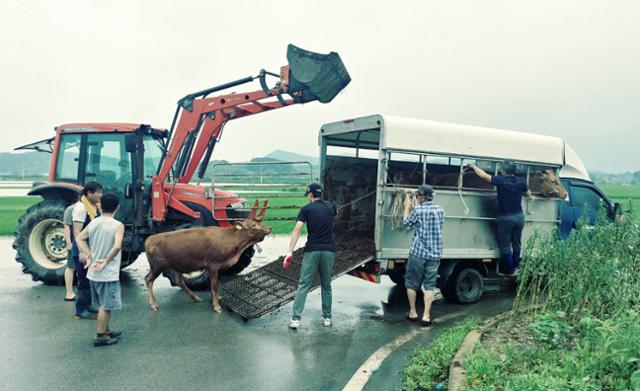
563, 68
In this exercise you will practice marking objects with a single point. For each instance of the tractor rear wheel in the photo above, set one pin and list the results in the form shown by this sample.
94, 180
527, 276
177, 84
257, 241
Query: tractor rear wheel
39, 242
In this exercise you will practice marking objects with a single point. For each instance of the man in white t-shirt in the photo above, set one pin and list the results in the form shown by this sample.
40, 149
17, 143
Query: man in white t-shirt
85, 210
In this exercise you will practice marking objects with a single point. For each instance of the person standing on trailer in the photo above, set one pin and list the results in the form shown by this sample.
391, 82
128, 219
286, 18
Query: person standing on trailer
427, 219
319, 252
510, 220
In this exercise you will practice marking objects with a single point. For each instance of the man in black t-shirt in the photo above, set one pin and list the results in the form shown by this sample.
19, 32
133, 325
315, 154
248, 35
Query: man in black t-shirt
510, 220
319, 252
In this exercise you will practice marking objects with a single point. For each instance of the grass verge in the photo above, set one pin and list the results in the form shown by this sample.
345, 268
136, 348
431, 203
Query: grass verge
429, 366
546, 352
578, 327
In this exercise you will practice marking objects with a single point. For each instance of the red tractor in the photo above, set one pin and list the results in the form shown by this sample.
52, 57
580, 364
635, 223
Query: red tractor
150, 169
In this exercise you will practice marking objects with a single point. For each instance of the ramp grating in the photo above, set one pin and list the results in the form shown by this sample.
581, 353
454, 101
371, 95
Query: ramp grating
263, 290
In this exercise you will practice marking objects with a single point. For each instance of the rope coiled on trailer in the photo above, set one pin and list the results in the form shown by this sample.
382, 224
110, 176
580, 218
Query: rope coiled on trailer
397, 207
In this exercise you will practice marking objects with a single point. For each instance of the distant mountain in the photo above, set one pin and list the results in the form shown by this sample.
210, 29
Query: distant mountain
34, 164
625, 178
26, 164
287, 156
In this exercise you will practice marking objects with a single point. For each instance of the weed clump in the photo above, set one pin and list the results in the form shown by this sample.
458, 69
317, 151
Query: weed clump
577, 316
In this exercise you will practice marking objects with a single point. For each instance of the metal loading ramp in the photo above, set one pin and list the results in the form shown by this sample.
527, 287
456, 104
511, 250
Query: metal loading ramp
265, 289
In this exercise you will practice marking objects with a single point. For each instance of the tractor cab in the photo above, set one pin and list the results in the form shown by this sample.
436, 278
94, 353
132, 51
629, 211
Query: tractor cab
121, 157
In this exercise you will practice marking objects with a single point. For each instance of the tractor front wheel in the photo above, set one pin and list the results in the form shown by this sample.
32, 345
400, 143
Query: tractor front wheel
39, 242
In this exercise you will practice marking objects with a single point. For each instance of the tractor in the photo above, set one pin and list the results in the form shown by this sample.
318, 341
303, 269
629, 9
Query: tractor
151, 169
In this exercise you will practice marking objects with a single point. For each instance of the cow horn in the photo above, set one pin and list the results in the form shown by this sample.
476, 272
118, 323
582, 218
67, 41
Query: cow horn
262, 211
254, 209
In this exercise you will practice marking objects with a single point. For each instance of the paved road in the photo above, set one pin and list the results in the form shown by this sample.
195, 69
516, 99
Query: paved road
188, 346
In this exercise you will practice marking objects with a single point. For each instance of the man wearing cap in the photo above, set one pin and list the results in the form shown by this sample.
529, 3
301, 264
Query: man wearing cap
319, 252
427, 219
510, 220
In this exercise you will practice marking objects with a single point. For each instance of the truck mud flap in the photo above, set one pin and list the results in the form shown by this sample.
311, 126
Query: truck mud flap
265, 289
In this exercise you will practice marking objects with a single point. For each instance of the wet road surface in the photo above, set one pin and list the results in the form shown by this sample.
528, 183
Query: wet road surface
188, 346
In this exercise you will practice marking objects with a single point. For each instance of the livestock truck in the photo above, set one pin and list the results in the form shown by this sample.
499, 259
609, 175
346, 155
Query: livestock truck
366, 163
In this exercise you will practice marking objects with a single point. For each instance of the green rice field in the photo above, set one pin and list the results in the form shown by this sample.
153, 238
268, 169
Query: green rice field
627, 196
11, 208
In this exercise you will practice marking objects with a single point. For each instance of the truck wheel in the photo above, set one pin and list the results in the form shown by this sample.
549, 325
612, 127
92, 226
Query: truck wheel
39, 242
397, 274
465, 286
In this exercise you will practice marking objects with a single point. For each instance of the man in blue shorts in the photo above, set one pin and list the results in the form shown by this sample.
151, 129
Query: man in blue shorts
427, 219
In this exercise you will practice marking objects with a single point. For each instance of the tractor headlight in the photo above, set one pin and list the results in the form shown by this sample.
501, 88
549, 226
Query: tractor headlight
238, 210
239, 205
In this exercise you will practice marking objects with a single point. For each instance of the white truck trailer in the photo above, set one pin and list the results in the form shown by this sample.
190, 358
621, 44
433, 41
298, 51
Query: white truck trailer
367, 162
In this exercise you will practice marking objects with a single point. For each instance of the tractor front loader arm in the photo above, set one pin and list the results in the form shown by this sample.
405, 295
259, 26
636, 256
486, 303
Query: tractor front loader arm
309, 76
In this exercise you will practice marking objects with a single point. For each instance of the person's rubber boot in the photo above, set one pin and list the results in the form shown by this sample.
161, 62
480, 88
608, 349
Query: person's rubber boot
507, 263
83, 300
516, 260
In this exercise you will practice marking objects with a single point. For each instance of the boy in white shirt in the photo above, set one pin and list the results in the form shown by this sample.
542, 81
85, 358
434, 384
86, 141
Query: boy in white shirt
102, 258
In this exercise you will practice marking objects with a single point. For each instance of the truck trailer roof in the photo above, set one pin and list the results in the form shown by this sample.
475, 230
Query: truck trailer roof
408, 134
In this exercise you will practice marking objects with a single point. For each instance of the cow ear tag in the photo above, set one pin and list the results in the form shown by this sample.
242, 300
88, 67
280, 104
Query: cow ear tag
237, 226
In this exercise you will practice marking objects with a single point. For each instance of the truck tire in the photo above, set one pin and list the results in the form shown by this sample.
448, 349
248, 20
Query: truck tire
465, 286
397, 274
39, 242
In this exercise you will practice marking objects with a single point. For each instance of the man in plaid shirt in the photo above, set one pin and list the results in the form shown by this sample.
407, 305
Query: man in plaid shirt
426, 250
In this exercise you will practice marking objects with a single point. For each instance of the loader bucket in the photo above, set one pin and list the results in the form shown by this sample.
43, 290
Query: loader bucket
317, 76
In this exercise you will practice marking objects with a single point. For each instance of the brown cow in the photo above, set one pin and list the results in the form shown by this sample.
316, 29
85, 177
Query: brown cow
545, 183
189, 250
